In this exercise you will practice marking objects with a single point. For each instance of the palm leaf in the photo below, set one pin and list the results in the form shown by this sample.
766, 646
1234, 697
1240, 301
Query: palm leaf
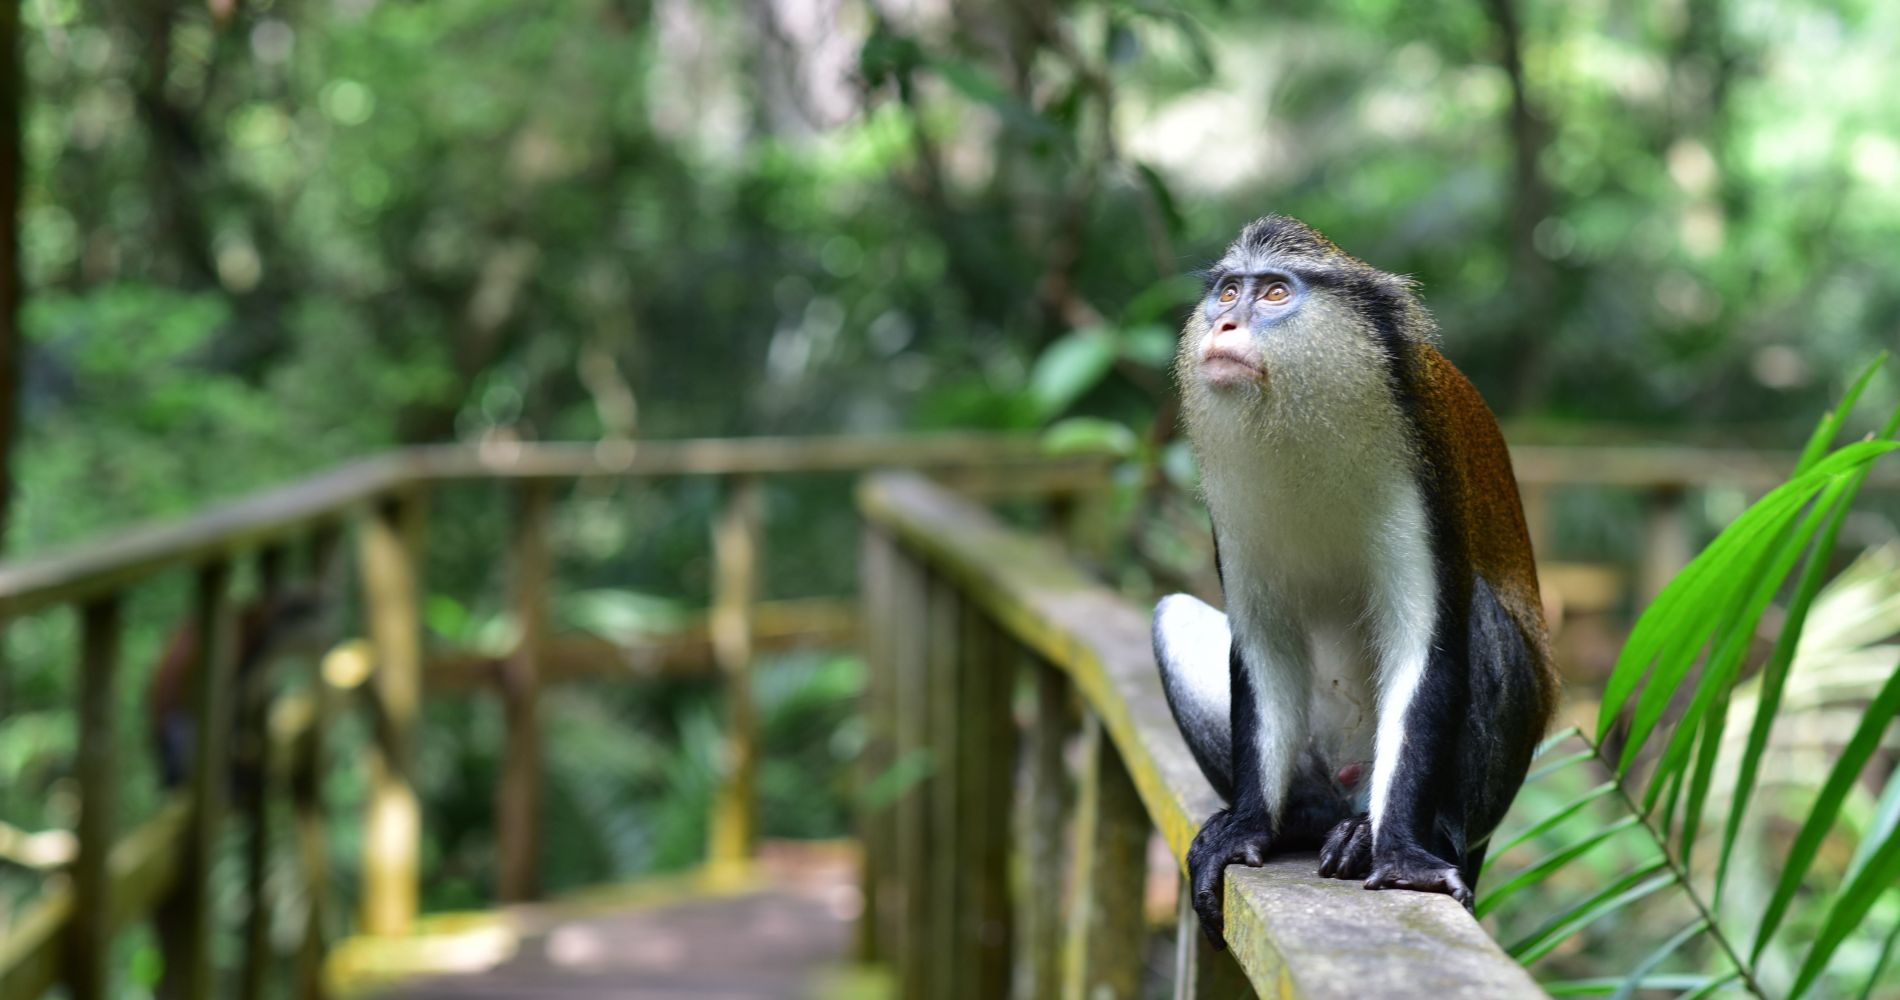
1648, 965
1827, 806
1538, 872
1830, 425
1549, 822
1850, 908
1624, 891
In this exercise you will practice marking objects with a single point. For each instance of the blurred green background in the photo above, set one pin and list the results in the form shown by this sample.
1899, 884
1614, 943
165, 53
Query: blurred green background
259, 237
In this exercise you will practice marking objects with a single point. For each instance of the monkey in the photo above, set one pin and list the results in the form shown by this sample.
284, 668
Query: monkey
266, 626
1381, 673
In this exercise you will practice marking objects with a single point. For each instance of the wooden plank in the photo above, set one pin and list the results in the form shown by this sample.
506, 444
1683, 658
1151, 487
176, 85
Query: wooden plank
749, 456
186, 925
1053, 724
736, 542
945, 731
986, 767
114, 562
324, 561
909, 589
777, 626
1105, 950
142, 868
251, 757
89, 932
390, 544
1293, 932
876, 819
518, 799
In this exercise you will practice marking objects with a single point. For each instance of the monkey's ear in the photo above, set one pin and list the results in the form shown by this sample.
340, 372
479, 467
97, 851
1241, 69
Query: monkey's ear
1192, 646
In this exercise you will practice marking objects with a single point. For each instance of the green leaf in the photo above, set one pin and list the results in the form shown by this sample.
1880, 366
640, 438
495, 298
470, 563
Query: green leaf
1708, 989
1090, 435
1559, 764
1827, 806
1148, 344
1541, 870
1663, 951
1155, 302
1607, 985
1070, 367
1551, 742
1774, 676
1886, 818
1624, 891
1830, 425
1850, 908
1548, 823
1163, 199
1880, 964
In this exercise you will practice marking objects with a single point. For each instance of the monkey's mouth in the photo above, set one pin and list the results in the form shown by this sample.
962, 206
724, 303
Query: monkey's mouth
1226, 366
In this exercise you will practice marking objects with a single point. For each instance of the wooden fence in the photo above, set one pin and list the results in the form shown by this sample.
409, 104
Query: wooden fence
162, 869
964, 619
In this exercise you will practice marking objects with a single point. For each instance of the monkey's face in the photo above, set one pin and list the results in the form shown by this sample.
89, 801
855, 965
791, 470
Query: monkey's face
1292, 334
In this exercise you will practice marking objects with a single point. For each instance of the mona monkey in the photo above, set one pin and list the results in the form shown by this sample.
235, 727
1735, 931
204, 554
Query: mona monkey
1382, 673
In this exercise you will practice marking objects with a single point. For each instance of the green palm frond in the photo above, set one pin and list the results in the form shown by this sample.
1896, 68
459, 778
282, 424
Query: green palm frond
1676, 759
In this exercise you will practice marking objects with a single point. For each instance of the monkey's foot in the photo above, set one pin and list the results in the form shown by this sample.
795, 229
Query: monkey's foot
1225, 839
1413, 867
1347, 852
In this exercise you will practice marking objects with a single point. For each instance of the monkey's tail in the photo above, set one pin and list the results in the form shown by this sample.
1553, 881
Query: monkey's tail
1192, 646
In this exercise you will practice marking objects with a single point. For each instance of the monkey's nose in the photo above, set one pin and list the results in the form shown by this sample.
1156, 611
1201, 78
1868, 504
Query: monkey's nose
1227, 324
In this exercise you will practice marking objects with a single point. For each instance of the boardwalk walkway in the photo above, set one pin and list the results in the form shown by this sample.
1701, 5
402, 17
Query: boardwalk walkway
788, 935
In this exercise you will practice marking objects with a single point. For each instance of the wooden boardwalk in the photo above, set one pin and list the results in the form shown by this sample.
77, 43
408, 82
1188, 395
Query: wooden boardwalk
788, 935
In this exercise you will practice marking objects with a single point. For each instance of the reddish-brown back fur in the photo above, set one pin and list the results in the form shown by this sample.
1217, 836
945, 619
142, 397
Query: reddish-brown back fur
1463, 440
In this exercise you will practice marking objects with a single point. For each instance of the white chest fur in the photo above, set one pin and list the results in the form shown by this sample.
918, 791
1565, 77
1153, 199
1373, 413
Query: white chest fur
1326, 559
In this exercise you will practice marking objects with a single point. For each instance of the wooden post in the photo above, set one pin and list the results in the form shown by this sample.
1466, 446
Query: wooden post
1106, 932
518, 799
250, 757
1200, 972
1044, 847
733, 827
306, 784
877, 824
915, 838
948, 950
986, 766
390, 565
1665, 541
89, 938
189, 971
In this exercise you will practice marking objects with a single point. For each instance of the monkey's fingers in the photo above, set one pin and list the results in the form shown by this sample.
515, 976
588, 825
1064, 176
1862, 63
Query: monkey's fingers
1222, 841
1347, 852
1418, 870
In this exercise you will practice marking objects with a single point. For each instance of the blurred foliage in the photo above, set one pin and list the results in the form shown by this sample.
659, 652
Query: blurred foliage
260, 237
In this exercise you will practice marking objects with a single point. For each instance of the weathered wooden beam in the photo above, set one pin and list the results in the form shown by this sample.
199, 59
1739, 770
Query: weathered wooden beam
777, 626
518, 798
738, 535
391, 541
186, 925
250, 755
89, 932
909, 618
1045, 849
1106, 927
876, 819
985, 775
141, 869
110, 564
944, 727
1294, 933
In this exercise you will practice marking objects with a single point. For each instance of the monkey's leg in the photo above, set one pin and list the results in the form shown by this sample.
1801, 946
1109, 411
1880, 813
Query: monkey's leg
1423, 700
1502, 726
1192, 646
1268, 712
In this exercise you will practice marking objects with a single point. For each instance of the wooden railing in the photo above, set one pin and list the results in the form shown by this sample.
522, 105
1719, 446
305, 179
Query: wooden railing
960, 616
162, 869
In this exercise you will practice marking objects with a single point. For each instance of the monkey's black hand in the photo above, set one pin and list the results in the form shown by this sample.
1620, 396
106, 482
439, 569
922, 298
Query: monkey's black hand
1226, 839
1408, 866
1347, 852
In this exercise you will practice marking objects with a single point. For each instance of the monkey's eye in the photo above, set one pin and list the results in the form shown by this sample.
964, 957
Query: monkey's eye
1229, 294
1277, 292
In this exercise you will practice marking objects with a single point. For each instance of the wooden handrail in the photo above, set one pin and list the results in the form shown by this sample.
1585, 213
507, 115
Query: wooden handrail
119, 560
1293, 933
